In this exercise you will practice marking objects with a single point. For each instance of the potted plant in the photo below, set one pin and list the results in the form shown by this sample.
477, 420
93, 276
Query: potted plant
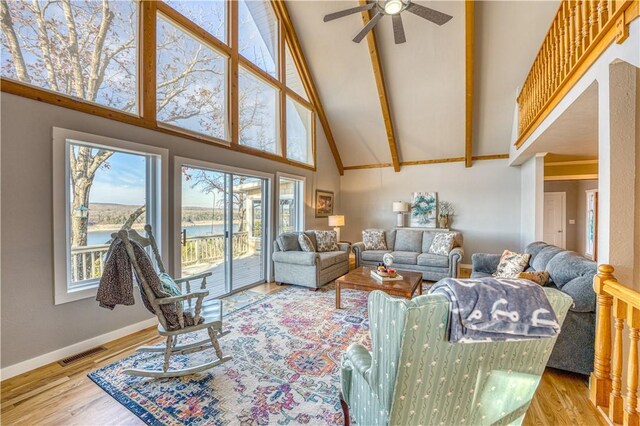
445, 209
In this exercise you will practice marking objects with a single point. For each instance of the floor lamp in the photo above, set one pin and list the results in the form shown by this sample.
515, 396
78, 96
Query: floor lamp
336, 221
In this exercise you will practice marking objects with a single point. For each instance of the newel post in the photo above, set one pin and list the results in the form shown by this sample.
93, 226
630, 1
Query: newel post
600, 380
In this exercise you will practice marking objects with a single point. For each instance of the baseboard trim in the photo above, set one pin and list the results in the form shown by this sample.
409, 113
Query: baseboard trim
58, 354
465, 265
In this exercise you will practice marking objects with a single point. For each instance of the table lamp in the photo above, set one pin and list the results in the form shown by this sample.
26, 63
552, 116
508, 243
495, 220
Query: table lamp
401, 208
336, 221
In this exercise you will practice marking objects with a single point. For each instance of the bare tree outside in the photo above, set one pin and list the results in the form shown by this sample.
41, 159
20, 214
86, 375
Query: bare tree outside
88, 49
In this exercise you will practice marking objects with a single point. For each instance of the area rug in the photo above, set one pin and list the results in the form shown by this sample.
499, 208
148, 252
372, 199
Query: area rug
286, 350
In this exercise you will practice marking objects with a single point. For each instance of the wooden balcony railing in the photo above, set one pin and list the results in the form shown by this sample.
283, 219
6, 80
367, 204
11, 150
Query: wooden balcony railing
211, 248
88, 262
618, 317
579, 33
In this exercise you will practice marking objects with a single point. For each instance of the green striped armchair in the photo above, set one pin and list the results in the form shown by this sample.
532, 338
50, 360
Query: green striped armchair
414, 376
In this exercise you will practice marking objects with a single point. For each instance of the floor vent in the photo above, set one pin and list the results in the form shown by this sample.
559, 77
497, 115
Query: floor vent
77, 357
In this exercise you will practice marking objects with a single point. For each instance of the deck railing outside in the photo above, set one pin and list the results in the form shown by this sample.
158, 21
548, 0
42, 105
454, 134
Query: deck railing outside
618, 318
88, 262
576, 32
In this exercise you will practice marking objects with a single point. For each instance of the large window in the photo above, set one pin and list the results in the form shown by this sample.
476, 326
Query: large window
214, 71
191, 82
258, 109
299, 129
108, 185
210, 15
85, 49
290, 204
258, 34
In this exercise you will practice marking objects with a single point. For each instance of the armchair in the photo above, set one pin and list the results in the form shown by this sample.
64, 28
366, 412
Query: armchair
413, 375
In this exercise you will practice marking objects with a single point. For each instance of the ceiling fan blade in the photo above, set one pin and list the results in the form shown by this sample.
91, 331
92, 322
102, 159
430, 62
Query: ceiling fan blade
429, 14
398, 29
368, 27
346, 12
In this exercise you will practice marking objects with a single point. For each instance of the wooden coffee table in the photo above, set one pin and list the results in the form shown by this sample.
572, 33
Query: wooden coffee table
361, 279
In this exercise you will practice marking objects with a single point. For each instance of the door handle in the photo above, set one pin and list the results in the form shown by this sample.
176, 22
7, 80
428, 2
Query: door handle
184, 237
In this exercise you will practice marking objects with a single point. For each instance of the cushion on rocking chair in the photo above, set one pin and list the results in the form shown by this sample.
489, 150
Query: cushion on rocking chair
169, 285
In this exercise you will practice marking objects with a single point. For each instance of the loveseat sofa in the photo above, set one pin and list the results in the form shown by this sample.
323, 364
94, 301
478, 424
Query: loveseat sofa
572, 274
292, 265
410, 251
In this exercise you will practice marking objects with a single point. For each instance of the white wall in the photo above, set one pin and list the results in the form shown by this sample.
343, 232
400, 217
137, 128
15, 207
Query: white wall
486, 198
532, 200
581, 215
31, 324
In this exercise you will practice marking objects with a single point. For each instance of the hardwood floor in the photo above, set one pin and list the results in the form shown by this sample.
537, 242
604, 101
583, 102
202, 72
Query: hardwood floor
56, 395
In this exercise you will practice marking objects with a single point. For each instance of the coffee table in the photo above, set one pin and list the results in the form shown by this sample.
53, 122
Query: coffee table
361, 279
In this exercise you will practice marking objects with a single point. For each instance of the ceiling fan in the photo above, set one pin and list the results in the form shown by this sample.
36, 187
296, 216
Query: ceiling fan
392, 8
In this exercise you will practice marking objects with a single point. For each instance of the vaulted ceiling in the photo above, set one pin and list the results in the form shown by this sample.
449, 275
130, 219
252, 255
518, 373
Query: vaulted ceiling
424, 77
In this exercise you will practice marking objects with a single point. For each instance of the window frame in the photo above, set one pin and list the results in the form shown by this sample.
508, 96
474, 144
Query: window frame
299, 205
146, 69
156, 193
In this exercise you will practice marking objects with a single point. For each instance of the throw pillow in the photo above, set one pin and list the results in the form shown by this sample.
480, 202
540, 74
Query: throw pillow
374, 240
327, 241
538, 277
305, 243
511, 264
288, 242
442, 243
169, 285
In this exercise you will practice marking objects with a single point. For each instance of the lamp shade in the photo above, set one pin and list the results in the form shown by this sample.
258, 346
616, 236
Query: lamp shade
400, 207
336, 220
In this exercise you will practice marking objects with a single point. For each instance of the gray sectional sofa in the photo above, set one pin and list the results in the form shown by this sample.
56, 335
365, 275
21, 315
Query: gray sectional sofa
573, 275
309, 269
410, 250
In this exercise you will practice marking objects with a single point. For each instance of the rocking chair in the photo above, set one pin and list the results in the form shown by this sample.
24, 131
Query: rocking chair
210, 311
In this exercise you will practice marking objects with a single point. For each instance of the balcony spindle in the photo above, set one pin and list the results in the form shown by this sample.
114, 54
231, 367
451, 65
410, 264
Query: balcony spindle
600, 381
603, 16
631, 407
572, 32
578, 30
615, 399
586, 10
595, 16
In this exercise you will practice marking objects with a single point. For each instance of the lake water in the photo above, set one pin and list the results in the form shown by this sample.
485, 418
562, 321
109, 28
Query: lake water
102, 237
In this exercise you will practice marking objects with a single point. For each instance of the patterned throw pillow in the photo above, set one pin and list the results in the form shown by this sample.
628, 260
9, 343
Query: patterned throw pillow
305, 242
374, 240
442, 243
538, 277
511, 264
169, 285
327, 241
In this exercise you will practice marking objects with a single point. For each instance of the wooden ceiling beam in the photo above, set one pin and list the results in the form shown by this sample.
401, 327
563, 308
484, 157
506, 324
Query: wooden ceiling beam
382, 91
301, 63
469, 46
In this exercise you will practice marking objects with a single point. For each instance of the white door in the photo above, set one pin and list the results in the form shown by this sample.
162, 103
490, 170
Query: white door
554, 218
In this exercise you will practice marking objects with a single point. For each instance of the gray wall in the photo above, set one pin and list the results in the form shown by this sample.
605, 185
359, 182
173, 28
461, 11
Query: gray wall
486, 198
570, 188
31, 324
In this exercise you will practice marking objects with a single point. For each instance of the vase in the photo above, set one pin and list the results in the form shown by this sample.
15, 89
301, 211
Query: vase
443, 222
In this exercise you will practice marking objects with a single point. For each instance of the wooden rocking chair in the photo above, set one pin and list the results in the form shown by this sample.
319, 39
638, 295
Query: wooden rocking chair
210, 311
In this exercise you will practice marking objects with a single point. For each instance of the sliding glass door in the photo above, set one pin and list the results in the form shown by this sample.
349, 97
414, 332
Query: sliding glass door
223, 225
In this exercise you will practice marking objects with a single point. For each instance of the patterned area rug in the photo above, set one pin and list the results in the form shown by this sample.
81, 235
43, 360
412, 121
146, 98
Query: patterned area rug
286, 350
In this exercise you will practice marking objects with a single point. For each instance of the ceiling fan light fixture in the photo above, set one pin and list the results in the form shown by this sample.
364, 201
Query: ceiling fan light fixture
393, 7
